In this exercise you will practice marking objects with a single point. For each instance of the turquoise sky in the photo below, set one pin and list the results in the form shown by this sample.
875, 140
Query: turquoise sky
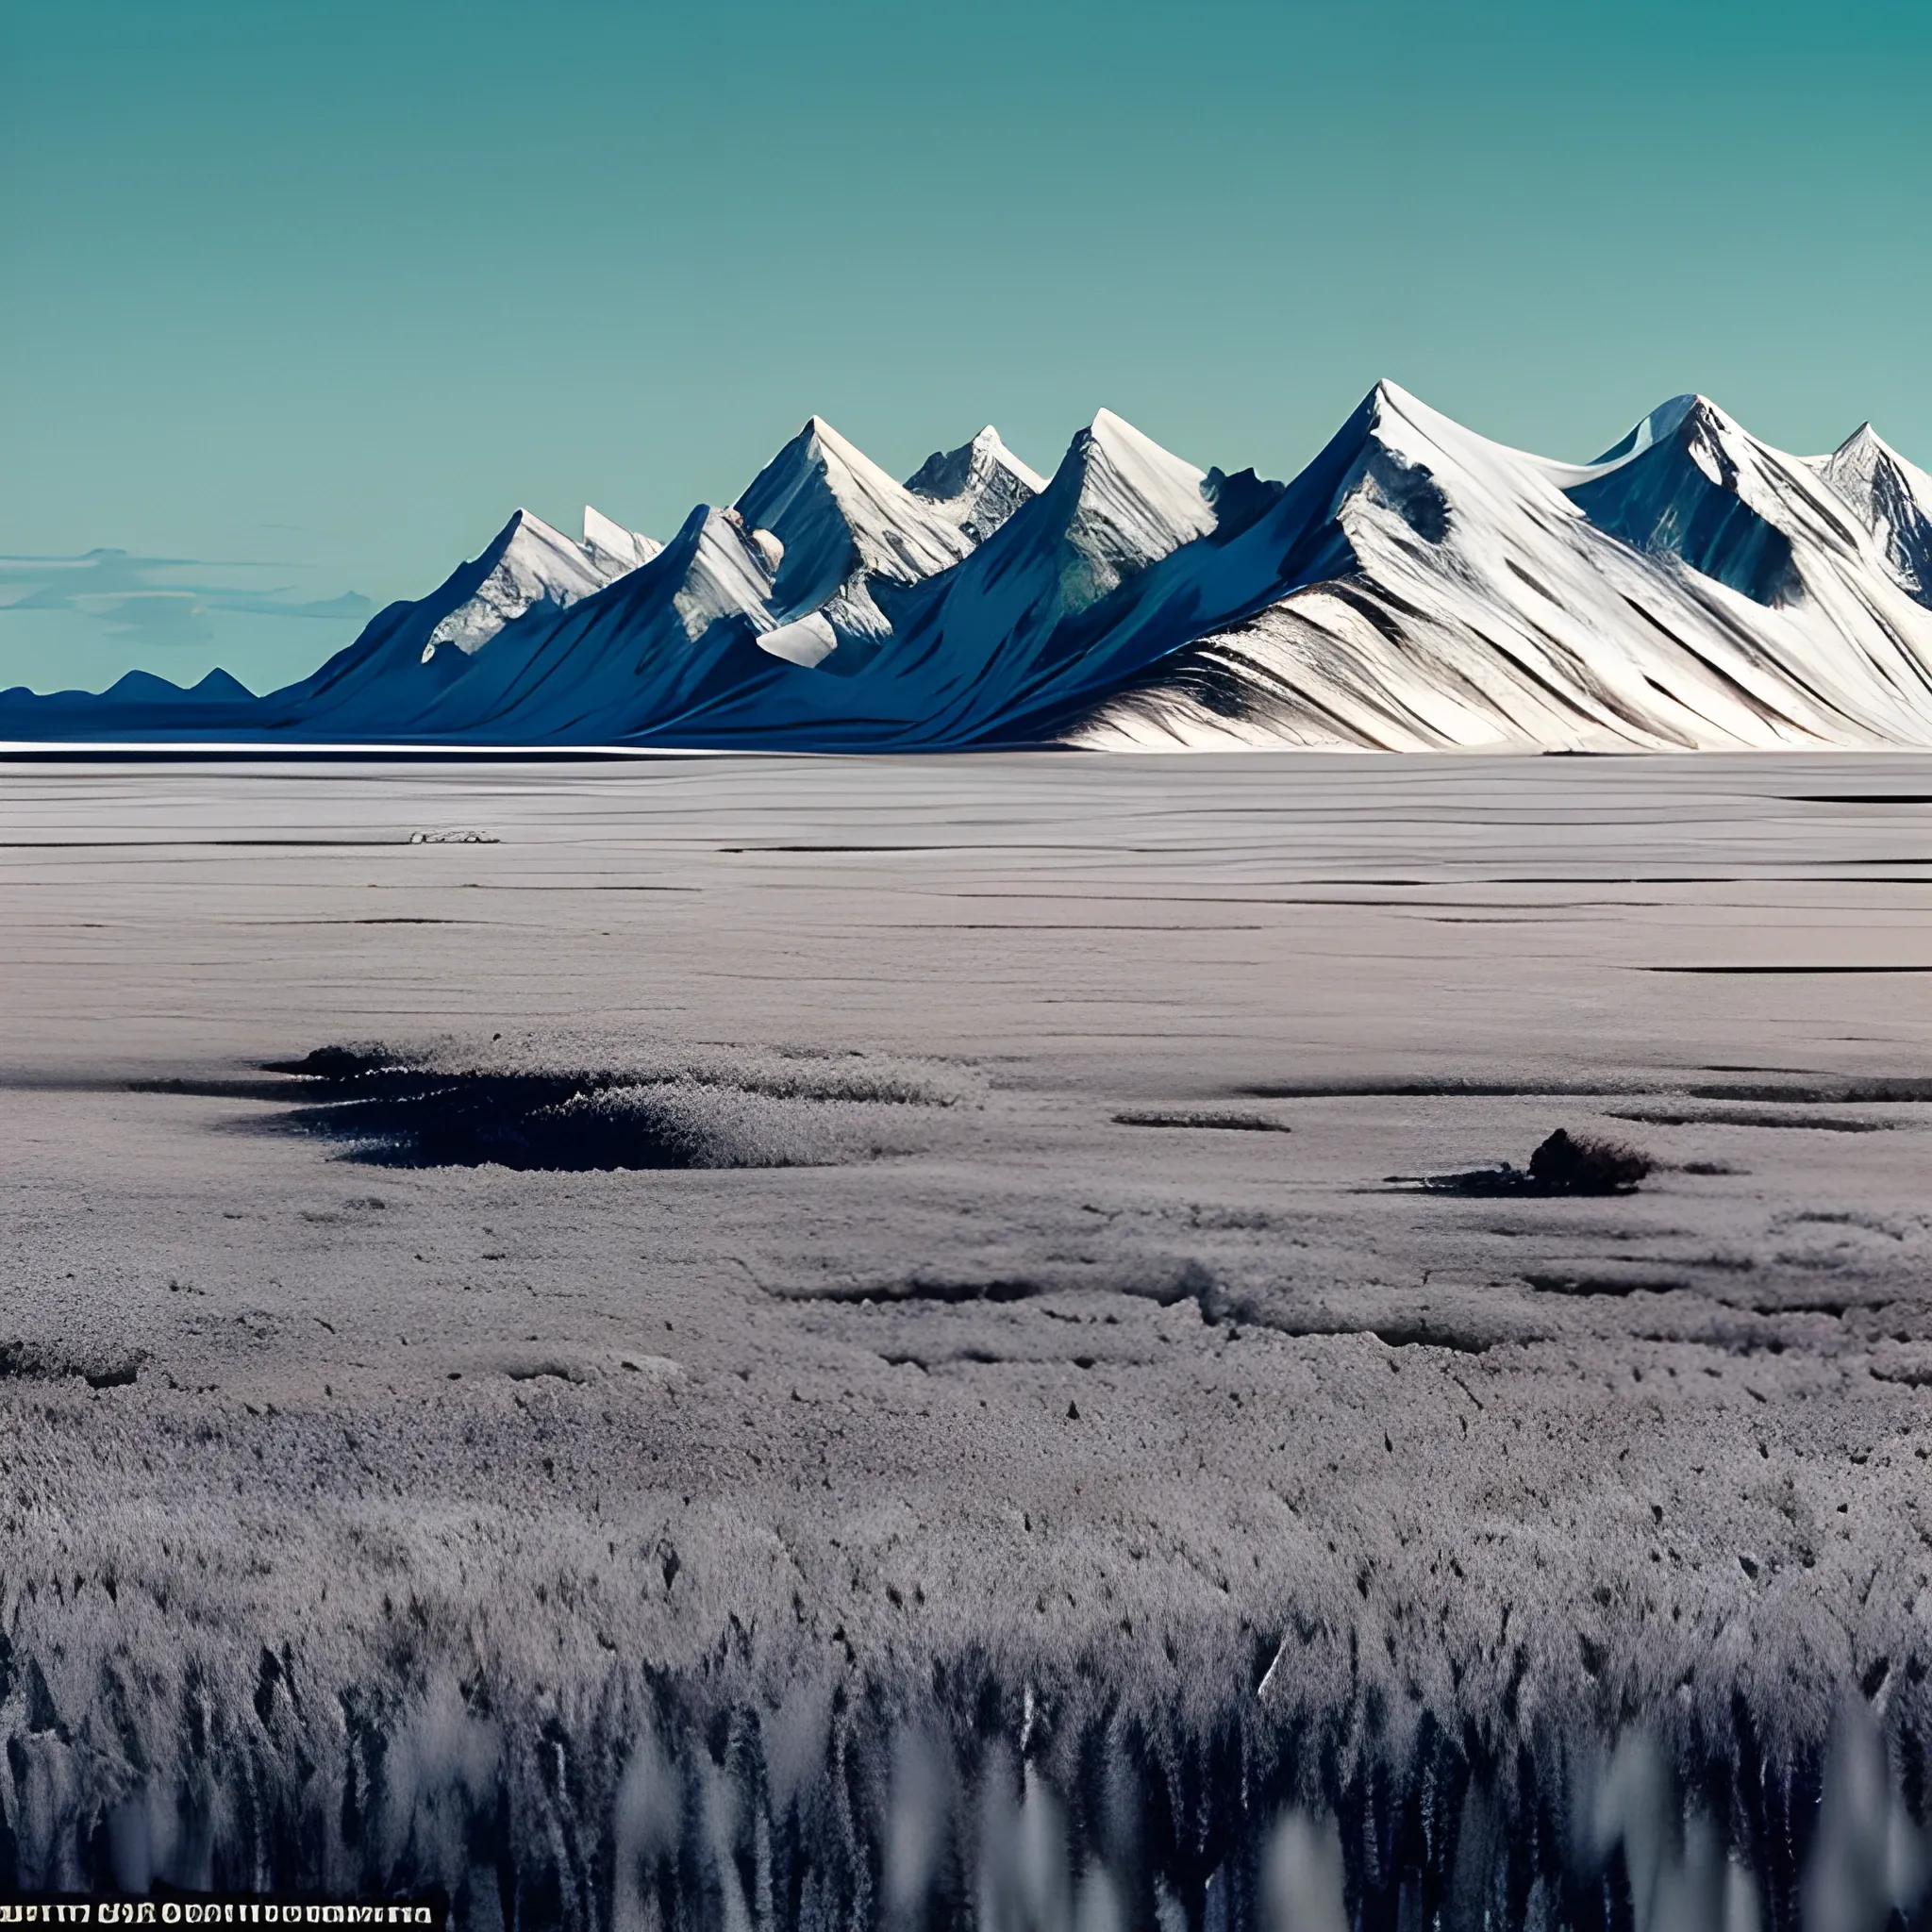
306, 298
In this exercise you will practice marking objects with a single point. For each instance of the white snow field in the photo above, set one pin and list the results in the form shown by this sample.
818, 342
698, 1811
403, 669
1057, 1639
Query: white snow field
1014, 1445
1416, 587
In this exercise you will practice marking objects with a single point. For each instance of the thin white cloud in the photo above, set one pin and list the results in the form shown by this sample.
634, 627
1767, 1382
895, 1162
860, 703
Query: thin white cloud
161, 600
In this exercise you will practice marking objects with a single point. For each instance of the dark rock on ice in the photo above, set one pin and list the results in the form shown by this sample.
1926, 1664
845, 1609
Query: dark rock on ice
1563, 1164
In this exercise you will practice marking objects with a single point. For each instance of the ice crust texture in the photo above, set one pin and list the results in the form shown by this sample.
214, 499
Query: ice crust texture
1417, 587
1011, 1516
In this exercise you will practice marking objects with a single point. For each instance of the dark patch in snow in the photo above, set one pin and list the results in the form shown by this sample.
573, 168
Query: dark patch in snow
923, 1288
390, 1109
29, 1361
1412, 490
1747, 1117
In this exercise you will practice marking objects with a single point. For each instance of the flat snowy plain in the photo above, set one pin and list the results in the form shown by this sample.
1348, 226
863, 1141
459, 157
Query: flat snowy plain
569, 1538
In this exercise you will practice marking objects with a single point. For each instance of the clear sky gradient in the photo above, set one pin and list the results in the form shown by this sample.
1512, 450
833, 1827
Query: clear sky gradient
310, 296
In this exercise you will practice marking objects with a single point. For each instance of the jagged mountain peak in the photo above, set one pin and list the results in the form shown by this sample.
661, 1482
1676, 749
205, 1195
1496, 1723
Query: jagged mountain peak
1863, 442
725, 572
989, 445
529, 563
1395, 419
1414, 431
818, 441
1891, 498
609, 542
1125, 503
1389, 395
527, 531
946, 472
1390, 410
838, 515
1111, 447
817, 455
1115, 504
977, 486
1689, 481
1682, 413
1864, 454
1121, 442
1708, 436
411, 651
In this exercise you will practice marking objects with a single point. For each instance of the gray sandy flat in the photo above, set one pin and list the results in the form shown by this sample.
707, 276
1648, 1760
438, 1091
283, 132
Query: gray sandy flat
386, 1523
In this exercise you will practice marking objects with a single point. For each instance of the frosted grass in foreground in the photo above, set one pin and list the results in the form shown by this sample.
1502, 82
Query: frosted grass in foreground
1080, 1809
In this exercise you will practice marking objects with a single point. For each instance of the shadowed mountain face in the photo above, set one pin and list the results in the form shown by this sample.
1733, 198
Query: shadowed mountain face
1672, 490
977, 486
1893, 498
1416, 587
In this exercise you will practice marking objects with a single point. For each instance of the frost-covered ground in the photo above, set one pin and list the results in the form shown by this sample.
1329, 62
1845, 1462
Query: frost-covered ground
932, 1498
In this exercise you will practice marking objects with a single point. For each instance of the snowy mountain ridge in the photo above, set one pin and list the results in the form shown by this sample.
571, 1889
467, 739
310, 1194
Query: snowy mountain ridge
977, 486
838, 515
534, 565
1893, 497
1415, 587
1692, 589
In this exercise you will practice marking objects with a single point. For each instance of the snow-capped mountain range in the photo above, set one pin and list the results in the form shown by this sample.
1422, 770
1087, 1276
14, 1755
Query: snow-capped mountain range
1415, 588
